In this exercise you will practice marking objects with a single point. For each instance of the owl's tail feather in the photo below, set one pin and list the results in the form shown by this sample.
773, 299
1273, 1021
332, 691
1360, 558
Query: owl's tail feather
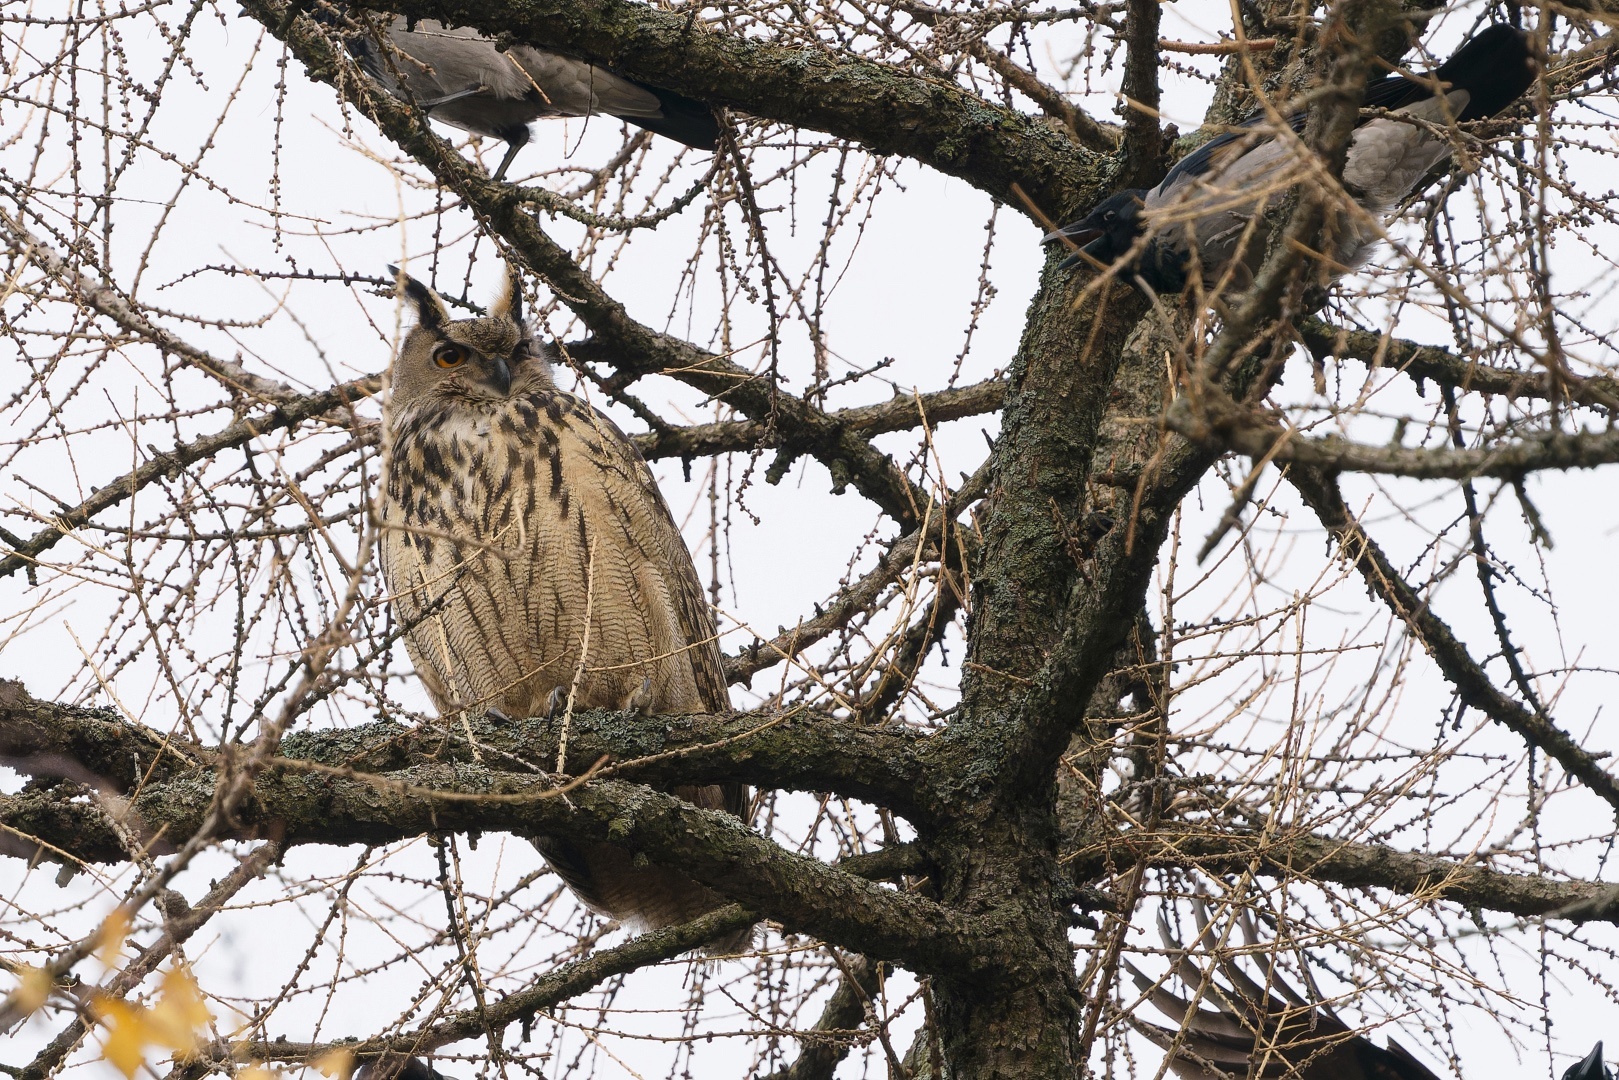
607, 880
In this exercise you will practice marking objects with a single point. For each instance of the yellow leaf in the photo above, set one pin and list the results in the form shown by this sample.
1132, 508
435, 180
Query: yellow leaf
33, 987
179, 1012
335, 1063
255, 1072
125, 1047
110, 936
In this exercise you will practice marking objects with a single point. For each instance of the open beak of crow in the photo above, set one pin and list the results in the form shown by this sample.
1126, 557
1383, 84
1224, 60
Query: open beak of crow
1086, 235
1082, 232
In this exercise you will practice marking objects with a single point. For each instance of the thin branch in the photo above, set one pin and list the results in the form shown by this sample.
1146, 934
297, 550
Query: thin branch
859, 597
835, 1033
902, 413
1473, 686
290, 413
549, 990
107, 301
1246, 433
1431, 362
179, 925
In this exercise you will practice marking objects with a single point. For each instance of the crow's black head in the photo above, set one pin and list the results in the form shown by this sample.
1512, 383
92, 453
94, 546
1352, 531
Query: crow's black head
1111, 230
1108, 231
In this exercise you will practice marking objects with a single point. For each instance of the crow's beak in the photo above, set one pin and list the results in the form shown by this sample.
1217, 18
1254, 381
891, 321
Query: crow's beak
1094, 253
1080, 232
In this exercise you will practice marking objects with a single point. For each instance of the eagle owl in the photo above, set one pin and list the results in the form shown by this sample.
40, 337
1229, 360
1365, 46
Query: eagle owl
532, 559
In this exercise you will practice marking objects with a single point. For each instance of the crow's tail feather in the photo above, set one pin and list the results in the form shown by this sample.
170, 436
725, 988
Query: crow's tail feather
684, 119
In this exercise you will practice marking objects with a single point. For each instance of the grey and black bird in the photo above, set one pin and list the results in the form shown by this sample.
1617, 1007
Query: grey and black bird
1232, 1026
535, 567
459, 76
1590, 1067
409, 1069
1197, 220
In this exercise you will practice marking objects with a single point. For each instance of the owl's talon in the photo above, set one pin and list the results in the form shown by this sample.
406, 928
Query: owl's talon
553, 703
497, 716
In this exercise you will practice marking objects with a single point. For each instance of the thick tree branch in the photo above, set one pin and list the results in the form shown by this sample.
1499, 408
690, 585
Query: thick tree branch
1358, 865
1143, 142
885, 766
1092, 619
886, 109
313, 805
1473, 687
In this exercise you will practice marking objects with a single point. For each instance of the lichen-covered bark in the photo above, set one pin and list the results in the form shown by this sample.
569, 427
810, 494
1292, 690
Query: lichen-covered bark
998, 852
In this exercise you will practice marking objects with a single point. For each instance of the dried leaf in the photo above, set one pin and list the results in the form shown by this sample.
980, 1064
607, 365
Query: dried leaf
110, 936
33, 987
125, 1048
338, 1064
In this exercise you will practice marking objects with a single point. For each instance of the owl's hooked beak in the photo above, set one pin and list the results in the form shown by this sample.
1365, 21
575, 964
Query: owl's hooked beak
499, 375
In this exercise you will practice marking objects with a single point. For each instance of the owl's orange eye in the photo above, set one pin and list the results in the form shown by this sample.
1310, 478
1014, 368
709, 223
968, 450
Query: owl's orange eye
449, 355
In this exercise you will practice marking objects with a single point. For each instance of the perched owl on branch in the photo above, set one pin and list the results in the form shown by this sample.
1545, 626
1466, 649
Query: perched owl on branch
536, 566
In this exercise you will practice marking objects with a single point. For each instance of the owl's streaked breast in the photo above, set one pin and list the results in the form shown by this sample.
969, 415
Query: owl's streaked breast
505, 524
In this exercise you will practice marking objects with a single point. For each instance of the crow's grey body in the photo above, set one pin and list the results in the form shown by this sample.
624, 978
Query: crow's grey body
1386, 159
1199, 221
462, 78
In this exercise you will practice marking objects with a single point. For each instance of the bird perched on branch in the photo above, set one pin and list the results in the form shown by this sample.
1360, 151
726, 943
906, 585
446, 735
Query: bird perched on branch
461, 77
1197, 221
536, 568
409, 1069
1232, 1026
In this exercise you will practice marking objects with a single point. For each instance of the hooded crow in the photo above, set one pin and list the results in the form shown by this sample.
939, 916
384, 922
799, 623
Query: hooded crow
411, 1069
1198, 218
461, 77
1232, 1027
1590, 1067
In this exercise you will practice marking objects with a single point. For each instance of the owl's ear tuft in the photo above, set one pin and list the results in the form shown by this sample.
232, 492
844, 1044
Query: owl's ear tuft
509, 302
429, 308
